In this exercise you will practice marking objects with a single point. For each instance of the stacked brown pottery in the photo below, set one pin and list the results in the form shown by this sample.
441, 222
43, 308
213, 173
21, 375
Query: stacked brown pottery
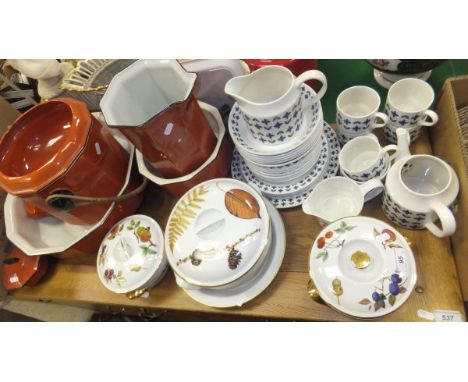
152, 103
62, 168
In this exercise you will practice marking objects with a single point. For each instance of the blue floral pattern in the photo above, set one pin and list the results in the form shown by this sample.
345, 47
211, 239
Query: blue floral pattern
402, 119
353, 126
402, 216
278, 128
271, 130
374, 172
284, 196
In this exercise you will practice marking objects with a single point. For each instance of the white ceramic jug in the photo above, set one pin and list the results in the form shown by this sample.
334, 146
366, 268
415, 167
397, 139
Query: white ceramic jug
271, 90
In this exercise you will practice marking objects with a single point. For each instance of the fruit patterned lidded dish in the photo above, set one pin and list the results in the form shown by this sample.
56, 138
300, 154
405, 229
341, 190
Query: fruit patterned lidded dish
362, 267
131, 256
217, 232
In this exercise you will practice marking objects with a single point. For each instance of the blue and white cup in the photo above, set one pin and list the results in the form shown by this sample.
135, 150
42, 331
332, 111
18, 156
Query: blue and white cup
408, 103
363, 158
357, 111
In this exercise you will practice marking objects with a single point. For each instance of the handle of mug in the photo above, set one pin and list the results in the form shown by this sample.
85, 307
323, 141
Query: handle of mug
373, 185
313, 75
390, 148
447, 221
383, 117
433, 118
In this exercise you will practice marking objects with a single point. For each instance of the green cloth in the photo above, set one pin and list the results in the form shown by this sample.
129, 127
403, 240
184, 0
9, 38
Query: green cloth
342, 74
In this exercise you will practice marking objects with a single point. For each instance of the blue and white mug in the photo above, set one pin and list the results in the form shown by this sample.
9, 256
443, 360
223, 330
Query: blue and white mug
363, 158
357, 111
408, 103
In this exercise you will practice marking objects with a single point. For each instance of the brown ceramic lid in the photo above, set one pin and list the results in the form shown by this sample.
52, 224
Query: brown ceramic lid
42, 144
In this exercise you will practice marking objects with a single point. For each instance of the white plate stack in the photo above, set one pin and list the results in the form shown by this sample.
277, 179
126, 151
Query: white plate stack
287, 172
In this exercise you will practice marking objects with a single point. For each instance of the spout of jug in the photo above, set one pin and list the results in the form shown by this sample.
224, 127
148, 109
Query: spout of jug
403, 143
234, 88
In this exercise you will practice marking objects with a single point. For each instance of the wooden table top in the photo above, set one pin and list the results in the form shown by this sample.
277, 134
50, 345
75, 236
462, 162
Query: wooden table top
75, 280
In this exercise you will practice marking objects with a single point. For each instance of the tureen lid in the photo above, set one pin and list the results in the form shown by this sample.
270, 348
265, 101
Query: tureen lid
216, 232
362, 267
130, 254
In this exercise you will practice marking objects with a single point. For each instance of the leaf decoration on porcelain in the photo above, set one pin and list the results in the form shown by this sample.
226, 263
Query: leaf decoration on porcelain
241, 204
184, 212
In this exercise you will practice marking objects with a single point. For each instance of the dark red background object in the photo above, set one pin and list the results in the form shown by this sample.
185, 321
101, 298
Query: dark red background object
296, 66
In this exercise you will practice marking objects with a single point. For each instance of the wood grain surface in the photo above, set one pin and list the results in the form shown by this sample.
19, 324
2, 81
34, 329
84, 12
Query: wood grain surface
74, 280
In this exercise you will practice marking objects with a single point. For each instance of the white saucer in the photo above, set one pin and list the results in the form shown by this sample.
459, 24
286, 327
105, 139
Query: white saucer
245, 141
42, 236
237, 296
387, 80
287, 197
356, 257
270, 187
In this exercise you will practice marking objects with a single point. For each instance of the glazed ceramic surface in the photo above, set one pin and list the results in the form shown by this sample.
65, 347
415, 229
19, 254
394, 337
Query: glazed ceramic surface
19, 269
408, 103
132, 255
357, 110
216, 166
47, 235
151, 102
217, 232
363, 158
338, 197
391, 136
285, 196
419, 190
245, 292
58, 147
370, 196
362, 267
271, 91
243, 138
271, 187
288, 173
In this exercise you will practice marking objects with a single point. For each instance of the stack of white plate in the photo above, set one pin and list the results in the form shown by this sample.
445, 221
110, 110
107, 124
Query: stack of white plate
286, 173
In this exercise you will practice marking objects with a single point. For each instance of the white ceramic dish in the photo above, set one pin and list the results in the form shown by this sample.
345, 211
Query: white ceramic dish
274, 186
290, 199
217, 232
214, 118
42, 236
296, 178
339, 197
131, 256
290, 169
238, 296
356, 260
309, 179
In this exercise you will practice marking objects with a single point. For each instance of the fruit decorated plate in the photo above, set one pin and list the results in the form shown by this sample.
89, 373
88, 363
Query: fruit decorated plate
131, 256
362, 267
217, 232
